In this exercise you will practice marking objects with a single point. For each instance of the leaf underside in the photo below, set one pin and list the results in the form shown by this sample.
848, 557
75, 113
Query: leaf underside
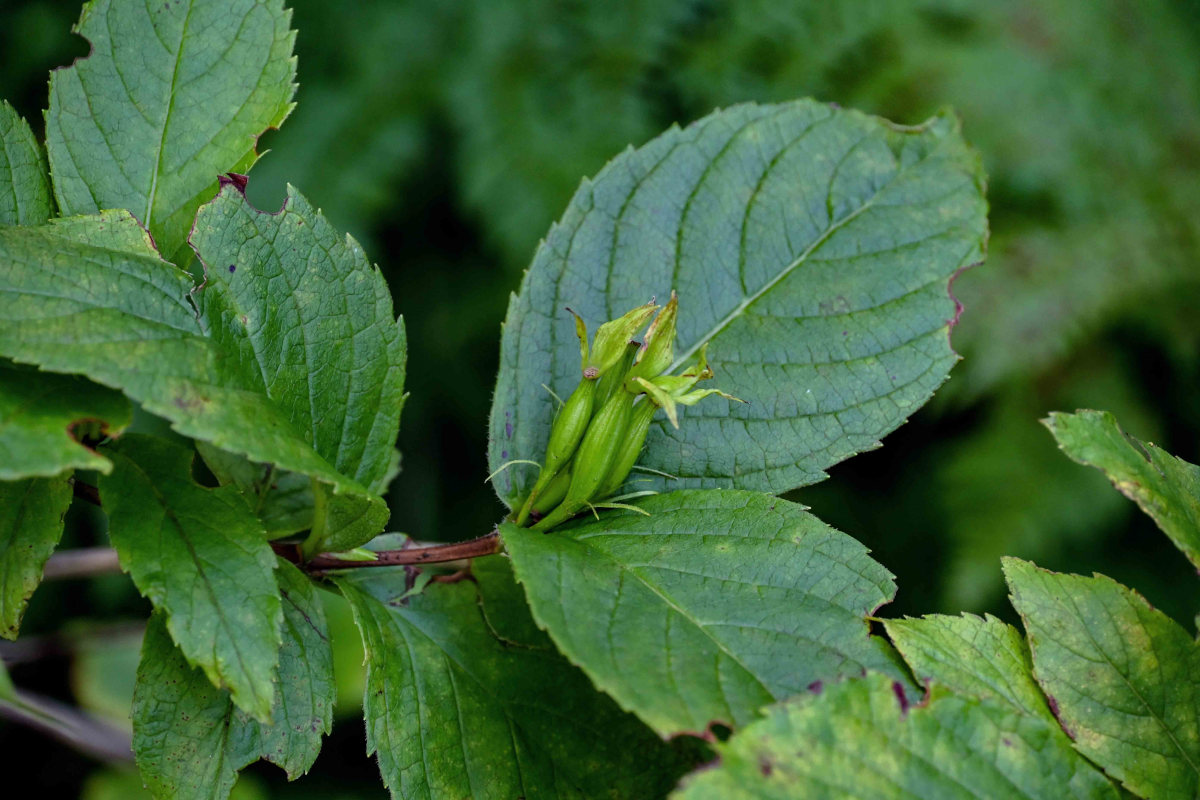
810, 246
713, 606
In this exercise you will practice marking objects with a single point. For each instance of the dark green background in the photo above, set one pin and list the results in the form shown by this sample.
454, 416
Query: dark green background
447, 136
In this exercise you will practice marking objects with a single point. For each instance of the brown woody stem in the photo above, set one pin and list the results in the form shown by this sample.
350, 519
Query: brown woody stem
97, 560
410, 556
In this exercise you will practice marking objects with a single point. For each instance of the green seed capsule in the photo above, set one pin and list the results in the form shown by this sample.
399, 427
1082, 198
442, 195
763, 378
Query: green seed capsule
600, 445
631, 448
554, 492
611, 338
594, 457
612, 380
565, 435
659, 349
570, 426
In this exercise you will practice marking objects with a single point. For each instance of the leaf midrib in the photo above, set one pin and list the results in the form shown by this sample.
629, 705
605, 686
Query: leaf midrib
1158, 719
201, 573
738, 310
674, 606
162, 138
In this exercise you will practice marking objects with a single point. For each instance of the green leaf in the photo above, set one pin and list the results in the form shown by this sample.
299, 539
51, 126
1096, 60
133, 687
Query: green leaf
1123, 678
1165, 487
275, 365
24, 185
811, 247
283, 501
200, 556
323, 343
91, 293
506, 610
455, 711
172, 95
710, 608
43, 416
189, 738
31, 523
856, 740
303, 709
980, 657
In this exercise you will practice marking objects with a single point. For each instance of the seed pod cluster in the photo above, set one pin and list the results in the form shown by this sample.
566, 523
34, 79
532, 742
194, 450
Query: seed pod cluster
600, 430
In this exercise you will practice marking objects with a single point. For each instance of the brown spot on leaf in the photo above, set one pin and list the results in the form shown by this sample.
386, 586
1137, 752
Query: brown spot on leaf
1058, 716
901, 698
233, 179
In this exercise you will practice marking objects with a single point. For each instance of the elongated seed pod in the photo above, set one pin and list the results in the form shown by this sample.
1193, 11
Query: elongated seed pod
569, 427
565, 435
600, 445
593, 457
631, 448
554, 492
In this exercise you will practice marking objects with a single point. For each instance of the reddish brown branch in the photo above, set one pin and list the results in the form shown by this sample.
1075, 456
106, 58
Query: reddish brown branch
85, 562
85, 491
96, 560
424, 554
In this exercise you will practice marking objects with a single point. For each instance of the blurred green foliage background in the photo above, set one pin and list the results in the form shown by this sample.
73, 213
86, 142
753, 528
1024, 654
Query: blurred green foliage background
447, 135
